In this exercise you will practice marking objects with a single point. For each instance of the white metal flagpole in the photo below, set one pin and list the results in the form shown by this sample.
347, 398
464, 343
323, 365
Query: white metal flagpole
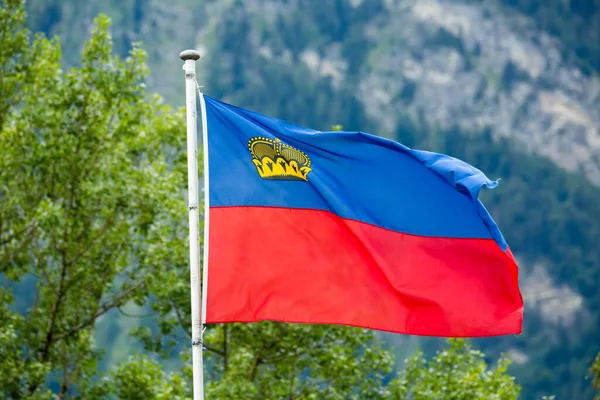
189, 57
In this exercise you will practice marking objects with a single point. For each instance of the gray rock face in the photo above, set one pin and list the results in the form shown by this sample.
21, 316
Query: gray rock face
465, 64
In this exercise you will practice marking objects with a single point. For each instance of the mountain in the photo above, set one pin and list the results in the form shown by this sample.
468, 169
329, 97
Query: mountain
475, 67
511, 86
474, 64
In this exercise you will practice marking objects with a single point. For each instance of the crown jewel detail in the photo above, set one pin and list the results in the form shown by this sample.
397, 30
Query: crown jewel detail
276, 160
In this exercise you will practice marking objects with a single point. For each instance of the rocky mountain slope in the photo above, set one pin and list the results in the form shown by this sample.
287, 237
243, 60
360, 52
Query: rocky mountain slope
452, 63
471, 66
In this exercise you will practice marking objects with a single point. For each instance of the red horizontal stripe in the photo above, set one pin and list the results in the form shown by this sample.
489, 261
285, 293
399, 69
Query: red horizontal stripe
310, 266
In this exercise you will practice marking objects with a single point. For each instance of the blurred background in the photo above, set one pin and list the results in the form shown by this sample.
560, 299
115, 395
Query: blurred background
511, 86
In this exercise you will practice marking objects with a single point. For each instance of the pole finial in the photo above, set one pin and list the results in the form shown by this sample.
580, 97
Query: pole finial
189, 55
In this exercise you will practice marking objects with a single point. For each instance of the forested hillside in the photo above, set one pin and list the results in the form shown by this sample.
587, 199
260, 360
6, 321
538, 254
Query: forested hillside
510, 86
575, 23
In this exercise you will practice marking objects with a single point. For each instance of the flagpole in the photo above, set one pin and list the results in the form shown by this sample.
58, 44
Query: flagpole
190, 57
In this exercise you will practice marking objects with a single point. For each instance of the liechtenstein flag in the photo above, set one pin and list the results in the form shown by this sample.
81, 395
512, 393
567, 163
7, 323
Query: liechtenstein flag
352, 229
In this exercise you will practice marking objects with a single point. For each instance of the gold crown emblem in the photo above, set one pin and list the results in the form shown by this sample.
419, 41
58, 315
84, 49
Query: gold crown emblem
275, 160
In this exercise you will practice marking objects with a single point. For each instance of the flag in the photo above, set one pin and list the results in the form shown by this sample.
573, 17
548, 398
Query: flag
352, 229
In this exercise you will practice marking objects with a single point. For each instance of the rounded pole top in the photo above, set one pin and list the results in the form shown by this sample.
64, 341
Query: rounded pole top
189, 55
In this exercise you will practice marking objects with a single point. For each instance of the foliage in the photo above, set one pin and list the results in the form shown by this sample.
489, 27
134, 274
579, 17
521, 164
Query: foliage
88, 190
17, 373
456, 373
12, 59
595, 371
575, 22
138, 378
304, 97
272, 360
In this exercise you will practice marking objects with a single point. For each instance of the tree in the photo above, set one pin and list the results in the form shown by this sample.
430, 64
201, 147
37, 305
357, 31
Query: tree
456, 373
89, 187
595, 371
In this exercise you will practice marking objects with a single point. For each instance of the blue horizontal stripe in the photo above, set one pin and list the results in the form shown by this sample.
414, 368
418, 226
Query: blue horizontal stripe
353, 174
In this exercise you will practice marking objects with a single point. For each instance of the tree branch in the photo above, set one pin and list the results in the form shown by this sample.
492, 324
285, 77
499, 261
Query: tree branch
55, 309
76, 367
109, 223
260, 359
291, 389
45, 351
28, 230
133, 315
44, 273
180, 320
117, 301
257, 363
21, 248
64, 385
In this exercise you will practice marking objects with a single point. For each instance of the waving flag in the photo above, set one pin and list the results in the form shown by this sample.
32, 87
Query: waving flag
350, 228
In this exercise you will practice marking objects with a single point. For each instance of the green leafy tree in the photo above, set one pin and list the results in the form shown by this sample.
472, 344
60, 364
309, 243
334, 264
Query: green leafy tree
138, 378
281, 361
89, 186
595, 371
456, 373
